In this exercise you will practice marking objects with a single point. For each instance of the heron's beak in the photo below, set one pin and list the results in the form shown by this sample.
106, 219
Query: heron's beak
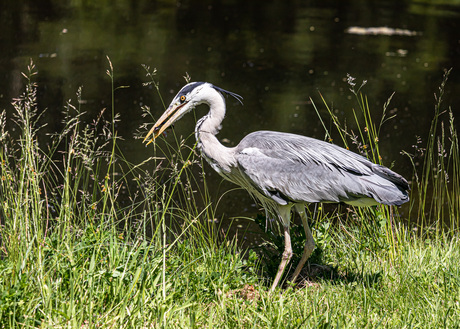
171, 115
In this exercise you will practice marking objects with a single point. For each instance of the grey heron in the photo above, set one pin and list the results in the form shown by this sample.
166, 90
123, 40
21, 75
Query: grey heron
283, 170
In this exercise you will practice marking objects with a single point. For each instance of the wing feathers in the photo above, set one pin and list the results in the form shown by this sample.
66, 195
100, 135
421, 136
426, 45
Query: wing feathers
287, 167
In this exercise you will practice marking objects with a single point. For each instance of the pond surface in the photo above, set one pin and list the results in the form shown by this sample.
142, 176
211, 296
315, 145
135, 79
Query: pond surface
276, 54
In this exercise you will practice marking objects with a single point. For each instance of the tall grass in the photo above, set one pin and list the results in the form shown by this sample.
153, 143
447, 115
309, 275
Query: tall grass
376, 222
434, 205
74, 254
436, 197
89, 239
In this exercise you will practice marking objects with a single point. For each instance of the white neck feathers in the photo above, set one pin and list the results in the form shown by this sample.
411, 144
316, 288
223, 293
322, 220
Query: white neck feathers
219, 156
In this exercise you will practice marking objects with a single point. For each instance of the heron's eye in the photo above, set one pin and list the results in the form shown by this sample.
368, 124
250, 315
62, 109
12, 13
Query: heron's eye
182, 99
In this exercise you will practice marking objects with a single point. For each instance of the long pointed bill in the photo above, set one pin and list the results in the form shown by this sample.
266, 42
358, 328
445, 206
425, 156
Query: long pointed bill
171, 115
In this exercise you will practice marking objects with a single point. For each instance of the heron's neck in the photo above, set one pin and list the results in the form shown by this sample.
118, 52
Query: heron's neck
219, 156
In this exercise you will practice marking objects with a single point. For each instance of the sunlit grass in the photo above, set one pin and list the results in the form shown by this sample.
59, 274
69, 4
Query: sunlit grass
89, 239
75, 255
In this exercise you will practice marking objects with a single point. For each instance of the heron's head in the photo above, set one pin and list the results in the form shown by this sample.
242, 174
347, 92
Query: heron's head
190, 96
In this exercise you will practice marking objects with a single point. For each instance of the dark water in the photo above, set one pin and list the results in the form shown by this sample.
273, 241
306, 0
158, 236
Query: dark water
276, 54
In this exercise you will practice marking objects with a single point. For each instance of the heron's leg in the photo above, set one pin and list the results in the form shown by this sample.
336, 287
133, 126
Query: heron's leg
284, 213
309, 244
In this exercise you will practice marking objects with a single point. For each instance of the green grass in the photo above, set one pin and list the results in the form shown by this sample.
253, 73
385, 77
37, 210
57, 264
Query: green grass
76, 254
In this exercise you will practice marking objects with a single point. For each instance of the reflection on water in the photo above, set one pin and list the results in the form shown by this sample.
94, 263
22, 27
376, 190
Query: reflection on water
276, 55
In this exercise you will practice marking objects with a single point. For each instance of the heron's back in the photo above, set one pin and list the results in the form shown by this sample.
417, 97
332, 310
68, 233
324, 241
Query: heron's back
298, 169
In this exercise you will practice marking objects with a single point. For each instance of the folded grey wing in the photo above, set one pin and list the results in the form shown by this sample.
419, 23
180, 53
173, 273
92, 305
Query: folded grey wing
285, 180
291, 168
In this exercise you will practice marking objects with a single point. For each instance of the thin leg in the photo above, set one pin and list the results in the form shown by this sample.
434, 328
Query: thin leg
285, 215
309, 244
287, 254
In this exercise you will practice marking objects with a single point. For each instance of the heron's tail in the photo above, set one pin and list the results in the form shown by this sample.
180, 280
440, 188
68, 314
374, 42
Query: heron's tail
388, 187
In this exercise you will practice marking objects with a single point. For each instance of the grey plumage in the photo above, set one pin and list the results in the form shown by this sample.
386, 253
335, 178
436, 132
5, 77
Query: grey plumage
283, 170
304, 169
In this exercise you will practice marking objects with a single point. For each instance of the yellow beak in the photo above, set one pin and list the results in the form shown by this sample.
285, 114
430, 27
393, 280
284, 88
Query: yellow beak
171, 115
